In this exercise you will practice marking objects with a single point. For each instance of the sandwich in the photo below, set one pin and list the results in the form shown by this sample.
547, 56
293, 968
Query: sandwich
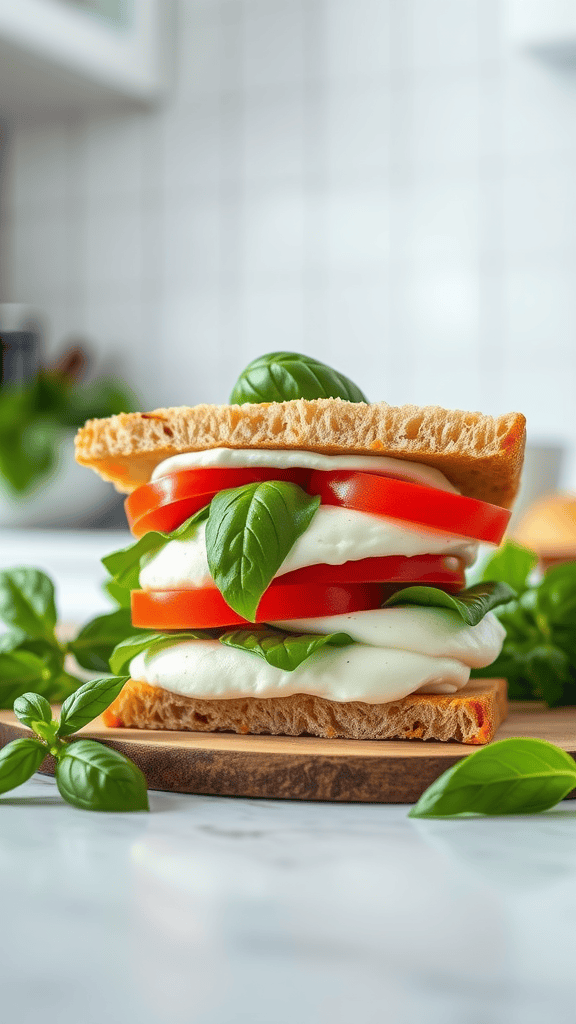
299, 560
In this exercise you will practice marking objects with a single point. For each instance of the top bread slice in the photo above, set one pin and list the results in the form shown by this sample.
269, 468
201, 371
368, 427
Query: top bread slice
480, 455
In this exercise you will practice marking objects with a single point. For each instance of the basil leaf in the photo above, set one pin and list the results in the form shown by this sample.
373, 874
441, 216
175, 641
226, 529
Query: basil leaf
283, 376
96, 641
471, 604
515, 776
31, 707
250, 531
124, 565
119, 594
18, 762
88, 702
19, 671
27, 601
62, 686
126, 650
556, 599
511, 564
282, 650
96, 778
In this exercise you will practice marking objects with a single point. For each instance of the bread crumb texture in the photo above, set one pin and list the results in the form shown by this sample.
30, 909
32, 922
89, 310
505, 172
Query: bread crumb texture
480, 455
470, 716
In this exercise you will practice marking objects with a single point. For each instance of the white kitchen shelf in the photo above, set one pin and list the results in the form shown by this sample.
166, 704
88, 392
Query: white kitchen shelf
544, 27
57, 57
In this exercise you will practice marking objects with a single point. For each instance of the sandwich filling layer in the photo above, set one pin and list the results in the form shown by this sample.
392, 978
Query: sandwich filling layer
262, 458
396, 651
390, 667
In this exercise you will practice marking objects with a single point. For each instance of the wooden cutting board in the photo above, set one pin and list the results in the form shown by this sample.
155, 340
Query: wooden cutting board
303, 768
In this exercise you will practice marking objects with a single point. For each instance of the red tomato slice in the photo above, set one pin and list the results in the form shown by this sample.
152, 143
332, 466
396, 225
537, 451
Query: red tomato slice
205, 608
442, 571
168, 502
411, 503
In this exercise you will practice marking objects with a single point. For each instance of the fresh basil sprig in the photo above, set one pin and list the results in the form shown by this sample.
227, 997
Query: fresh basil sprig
538, 657
513, 776
124, 565
31, 655
88, 774
249, 533
471, 604
283, 376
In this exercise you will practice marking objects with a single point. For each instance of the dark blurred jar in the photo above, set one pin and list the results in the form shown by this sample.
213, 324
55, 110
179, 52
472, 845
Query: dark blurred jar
19, 345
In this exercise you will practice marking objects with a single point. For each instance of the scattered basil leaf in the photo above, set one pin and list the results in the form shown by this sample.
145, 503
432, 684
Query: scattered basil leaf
97, 778
249, 533
513, 776
124, 565
27, 601
511, 564
283, 376
18, 762
152, 642
282, 650
31, 707
471, 604
96, 641
87, 702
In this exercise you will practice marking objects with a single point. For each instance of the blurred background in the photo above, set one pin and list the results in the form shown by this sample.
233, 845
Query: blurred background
388, 185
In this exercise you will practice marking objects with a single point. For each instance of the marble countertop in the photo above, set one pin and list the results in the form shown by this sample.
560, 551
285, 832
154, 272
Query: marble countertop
229, 911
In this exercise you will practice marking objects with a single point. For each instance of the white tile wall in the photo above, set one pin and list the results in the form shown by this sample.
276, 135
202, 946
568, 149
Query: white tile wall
382, 183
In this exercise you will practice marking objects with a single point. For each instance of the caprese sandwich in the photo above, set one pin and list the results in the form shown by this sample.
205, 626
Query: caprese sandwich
299, 559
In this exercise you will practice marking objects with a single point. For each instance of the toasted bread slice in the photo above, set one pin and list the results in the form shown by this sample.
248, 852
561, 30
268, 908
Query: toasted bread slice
470, 716
480, 455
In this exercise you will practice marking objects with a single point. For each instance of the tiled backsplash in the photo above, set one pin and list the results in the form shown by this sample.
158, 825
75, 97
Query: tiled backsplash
384, 184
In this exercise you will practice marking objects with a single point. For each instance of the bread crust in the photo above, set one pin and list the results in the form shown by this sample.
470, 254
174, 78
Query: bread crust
470, 716
480, 455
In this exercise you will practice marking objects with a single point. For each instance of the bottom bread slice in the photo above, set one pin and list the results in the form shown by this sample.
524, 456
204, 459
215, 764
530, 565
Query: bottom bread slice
470, 716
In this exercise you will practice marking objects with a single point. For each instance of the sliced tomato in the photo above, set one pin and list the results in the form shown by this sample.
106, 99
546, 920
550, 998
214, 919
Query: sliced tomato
442, 571
411, 503
168, 502
205, 607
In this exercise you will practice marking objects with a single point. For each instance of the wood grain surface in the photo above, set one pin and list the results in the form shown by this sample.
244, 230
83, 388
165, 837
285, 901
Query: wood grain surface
303, 768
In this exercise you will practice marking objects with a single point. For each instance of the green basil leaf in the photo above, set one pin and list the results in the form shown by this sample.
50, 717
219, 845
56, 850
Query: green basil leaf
282, 650
511, 564
18, 762
471, 604
283, 376
515, 776
20, 671
119, 594
97, 639
27, 601
556, 598
89, 701
249, 533
12, 640
62, 686
152, 642
549, 673
124, 565
31, 707
97, 778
